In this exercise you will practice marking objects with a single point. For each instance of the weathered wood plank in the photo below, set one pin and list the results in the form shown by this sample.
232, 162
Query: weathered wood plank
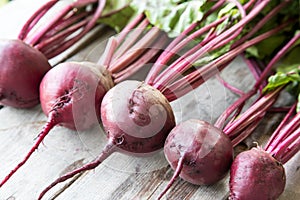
120, 176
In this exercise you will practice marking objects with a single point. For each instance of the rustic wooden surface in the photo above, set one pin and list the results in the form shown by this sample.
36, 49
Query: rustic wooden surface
120, 176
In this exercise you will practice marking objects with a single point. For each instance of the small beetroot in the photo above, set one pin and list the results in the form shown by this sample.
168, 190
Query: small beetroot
255, 174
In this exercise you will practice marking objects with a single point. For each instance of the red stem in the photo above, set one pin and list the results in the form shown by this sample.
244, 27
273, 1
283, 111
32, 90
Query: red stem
161, 84
109, 148
86, 29
66, 23
33, 20
196, 78
50, 46
135, 51
269, 146
145, 58
283, 134
247, 131
129, 27
228, 86
108, 53
262, 22
49, 125
248, 116
275, 59
292, 149
291, 132
153, 76
133, 35
32, 41
175, 46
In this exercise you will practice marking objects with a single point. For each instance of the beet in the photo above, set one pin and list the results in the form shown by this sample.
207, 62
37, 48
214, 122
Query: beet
140, 114
22, 69
73, 92
255, 174
207, 153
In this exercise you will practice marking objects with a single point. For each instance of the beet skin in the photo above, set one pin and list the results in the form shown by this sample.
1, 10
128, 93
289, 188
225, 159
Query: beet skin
255, 174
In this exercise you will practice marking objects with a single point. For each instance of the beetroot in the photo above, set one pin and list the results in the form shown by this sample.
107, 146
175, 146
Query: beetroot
22, 69
139, 114
198, 152
72, 93
255, 174
206, 152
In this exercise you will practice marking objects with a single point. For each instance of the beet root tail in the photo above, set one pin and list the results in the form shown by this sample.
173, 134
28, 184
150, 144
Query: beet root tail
49, 125
174, 177
107, 151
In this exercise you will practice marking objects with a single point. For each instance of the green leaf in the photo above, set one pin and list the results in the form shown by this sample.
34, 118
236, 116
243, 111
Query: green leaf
266, 47
172, 16
119, 19
283, 79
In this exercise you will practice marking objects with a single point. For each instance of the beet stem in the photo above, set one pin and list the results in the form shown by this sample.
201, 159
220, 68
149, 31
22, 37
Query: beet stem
35, 18
153, 76
276, 58
208, 47
109, 148
292, 149
228, 86
32, 41
270, 144
54, 42
129, 27
174, 177
49, 125
135, 51
284, 146
108, 53
132, 35
248, 116
138, 64
283, 139
86, 29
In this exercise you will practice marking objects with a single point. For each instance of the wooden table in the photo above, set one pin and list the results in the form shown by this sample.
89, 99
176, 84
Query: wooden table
120, 176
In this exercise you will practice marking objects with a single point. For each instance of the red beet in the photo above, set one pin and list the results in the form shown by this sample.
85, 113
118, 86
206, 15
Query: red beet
22, 69
205, 150
255, 174
73, 91
198, 152
138, 113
